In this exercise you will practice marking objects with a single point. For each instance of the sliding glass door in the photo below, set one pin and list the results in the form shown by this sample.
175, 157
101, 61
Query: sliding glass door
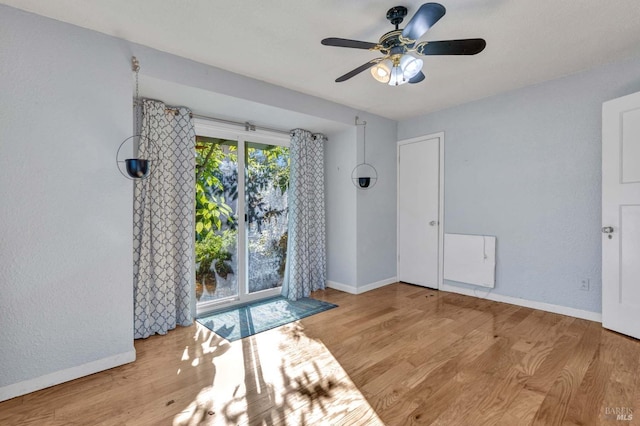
241, 229
216, 230
266, 183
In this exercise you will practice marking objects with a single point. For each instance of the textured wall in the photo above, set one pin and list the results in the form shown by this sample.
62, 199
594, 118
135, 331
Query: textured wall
361, 224
376, 212
525, 166
65, 211
172, 68
340, 204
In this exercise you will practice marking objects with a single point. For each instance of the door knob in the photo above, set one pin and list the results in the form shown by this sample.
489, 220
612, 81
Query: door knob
607, 230
433, 223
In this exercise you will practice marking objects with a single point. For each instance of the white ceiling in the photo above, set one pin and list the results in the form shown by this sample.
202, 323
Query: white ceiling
278, 41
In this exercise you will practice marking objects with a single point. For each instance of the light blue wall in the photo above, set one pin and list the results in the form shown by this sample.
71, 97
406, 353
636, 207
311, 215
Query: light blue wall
65, 210
525, 166
175, 69
361, 224
376, 210
341, 207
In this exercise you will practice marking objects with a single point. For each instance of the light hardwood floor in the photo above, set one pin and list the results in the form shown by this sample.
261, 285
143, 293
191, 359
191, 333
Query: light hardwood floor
398, 355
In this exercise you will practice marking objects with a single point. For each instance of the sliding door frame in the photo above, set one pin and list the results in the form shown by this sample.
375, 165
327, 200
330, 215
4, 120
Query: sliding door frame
214, 129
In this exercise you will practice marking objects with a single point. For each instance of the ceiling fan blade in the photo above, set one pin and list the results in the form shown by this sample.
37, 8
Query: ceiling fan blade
344, 42
469, 46
417, 78
358, 70
426, 16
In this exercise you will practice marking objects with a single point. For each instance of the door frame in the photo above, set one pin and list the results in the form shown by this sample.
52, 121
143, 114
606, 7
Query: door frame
440, 137
204, 127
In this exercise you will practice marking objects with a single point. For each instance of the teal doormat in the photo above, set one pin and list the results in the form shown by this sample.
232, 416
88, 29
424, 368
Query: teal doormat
247, 320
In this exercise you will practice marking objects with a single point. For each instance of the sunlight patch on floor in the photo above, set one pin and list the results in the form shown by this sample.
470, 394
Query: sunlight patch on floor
276, 377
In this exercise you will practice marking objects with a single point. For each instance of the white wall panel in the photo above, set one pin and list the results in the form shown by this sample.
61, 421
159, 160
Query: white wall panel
470, 259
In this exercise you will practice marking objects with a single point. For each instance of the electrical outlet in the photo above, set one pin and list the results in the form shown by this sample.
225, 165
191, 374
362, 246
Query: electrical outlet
585, 284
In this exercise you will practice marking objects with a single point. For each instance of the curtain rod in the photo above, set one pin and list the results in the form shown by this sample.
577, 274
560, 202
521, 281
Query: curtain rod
247, 126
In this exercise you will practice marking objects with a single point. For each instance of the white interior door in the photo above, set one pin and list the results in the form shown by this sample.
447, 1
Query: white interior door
621, 215
419, 212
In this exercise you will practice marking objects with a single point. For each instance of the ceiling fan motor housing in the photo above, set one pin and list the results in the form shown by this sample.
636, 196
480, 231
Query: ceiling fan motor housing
391, 44
396, 14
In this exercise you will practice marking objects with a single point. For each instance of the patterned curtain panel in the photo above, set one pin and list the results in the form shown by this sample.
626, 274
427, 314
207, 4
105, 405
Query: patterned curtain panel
306, 251
163, 221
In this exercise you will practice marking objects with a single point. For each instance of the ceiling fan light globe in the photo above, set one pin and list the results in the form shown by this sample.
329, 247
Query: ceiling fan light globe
410, 66
382, 71
397, 77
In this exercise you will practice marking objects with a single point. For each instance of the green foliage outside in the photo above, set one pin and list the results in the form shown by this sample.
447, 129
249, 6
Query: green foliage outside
213, 245
216, 198
211, 207
212, 253
267, 167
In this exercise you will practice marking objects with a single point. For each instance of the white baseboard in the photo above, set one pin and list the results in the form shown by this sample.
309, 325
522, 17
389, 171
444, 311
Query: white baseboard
361, 289
377, 284
32, 385
342, 287
548, 307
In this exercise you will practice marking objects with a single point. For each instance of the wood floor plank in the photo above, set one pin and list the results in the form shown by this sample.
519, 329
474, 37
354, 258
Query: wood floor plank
585, 407
434, 394
522, 410
545, 375
556, 403
495, 399
397, 355
620, 391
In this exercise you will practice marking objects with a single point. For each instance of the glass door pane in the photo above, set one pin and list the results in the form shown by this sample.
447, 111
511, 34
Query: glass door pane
216, 233
266, 184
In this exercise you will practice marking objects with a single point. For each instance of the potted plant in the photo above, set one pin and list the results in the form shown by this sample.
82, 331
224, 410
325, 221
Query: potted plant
213, 257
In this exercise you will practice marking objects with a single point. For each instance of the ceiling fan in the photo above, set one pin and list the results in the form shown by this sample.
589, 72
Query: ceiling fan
398, 65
